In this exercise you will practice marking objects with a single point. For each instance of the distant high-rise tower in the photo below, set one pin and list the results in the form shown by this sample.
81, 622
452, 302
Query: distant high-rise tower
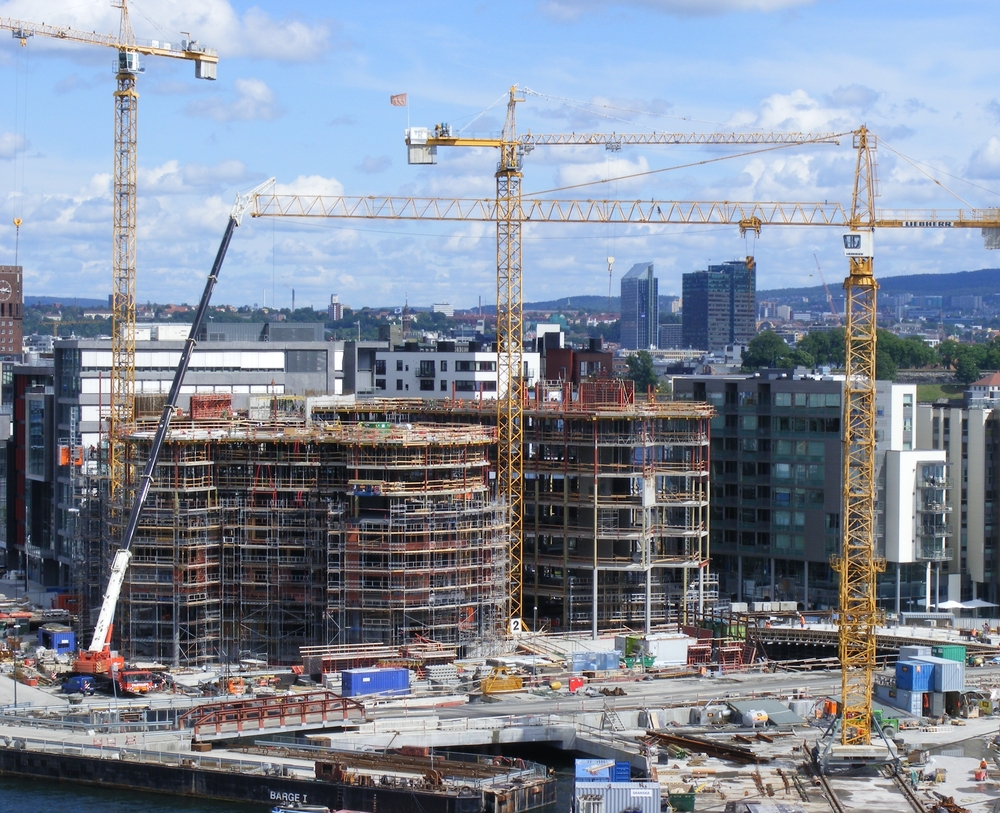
336, 310
640, 308
720, 305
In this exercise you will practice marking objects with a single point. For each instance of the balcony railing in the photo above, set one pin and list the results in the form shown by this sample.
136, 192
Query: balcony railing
933, 553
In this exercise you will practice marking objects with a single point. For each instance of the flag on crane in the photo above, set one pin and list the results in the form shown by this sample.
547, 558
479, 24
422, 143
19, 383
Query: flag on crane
398, 100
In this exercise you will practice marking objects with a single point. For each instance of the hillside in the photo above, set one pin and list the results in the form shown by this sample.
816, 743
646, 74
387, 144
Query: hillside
984, 282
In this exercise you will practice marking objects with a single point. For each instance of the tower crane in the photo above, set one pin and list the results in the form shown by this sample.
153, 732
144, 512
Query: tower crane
422, 145
826, 289
857, 564
126, 97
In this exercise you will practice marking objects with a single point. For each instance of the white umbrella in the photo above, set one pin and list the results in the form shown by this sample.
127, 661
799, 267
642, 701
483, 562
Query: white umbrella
977, 603
950, 605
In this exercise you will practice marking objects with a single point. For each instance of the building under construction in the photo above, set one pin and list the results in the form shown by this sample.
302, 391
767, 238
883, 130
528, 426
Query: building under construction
615, 501
328, 521
260, 538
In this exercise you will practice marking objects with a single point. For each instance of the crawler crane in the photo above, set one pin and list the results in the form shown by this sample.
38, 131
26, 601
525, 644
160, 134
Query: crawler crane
857, 563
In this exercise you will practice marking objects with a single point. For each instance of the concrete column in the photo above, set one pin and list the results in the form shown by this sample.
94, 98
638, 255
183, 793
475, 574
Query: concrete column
805, 583
899, 577
771, 568
927, 589
739, 577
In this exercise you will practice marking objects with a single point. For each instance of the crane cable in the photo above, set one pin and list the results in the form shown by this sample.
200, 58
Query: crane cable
918, 166
678, 166
20, 131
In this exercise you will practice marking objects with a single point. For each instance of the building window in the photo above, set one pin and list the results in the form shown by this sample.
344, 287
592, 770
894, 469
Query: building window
399, 383
427, 384
399, 365
379, 366
463, 366
444, 385
444, 365
465, 386
380, 383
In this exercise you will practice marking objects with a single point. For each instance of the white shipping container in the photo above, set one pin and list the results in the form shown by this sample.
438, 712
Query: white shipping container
642, 797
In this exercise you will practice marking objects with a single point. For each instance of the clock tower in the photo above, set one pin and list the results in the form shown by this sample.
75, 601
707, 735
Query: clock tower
11, 309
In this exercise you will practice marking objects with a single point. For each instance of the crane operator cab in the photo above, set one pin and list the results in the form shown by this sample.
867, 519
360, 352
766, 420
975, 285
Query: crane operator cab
859, 244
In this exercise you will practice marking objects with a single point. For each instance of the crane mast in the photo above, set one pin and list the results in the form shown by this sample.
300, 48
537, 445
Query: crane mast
123, 275
858, 565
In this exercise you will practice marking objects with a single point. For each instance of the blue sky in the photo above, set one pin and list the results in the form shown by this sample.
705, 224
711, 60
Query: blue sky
303, 94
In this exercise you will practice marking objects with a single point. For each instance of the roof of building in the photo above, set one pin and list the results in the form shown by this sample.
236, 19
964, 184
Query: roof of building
991, 380
639, 270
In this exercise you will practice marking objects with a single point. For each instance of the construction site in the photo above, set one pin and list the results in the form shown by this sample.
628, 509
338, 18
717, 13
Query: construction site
378, 522
260, 538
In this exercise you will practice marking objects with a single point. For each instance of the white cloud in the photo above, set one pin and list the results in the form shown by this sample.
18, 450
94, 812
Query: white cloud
985, 161
795, 112
596, 172
254, 101
686, 8
10, 144
310, 185
214, 23
173, 178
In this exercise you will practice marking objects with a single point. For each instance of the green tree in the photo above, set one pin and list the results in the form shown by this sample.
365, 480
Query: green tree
640, 370
766, 349
967, 368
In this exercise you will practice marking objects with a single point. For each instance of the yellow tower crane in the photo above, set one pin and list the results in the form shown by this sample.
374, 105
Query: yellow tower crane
422, 145
126, 98
858, 565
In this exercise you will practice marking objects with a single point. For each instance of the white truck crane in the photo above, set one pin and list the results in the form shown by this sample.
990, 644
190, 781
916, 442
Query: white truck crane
98, 658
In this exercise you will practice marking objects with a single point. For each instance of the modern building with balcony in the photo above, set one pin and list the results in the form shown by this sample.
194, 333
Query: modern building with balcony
917, 516
970, 438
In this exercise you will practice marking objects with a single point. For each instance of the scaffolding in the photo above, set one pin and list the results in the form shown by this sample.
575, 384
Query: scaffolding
261, 538
615, 525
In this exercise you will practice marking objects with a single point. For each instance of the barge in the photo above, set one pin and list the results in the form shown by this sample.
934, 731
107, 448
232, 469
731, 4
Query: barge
451, 786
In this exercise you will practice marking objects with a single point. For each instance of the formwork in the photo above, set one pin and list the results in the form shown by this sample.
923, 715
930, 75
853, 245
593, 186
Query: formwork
615, 499
258, 539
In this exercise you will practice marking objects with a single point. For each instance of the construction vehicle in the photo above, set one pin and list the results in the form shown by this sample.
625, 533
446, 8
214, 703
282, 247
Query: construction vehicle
135, 681
857, 565
126, 98
231, 684
98, 659
501, 679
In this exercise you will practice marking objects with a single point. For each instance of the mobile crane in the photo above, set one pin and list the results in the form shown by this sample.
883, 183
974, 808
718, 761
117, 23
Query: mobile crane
98, 659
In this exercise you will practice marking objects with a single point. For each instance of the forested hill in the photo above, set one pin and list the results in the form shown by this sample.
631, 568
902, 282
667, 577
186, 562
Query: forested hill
983, 282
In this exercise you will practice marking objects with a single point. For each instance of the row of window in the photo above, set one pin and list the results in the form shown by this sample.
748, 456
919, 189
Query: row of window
427, 366
816, 400
427, 385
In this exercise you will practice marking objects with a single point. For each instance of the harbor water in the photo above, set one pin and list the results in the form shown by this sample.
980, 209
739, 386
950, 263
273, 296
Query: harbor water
19, 796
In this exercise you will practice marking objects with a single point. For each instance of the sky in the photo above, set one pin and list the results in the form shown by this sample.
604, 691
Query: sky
303, 95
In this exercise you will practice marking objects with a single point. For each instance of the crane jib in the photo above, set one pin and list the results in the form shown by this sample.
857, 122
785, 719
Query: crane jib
928, 224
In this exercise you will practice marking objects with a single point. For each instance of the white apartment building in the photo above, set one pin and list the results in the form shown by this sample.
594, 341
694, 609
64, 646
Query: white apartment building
444, 370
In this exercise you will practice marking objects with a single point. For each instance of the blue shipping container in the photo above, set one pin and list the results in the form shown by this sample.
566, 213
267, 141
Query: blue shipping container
914, 676
57, 640
949, 675
357, 682
623, 771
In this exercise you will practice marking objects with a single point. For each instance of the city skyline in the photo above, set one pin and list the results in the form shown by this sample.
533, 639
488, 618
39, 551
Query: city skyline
303, 94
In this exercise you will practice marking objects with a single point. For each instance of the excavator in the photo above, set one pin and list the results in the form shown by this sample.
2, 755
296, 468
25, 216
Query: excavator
98, 658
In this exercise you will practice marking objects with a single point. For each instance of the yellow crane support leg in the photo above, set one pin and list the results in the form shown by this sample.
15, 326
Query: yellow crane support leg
858, 565
123, 279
